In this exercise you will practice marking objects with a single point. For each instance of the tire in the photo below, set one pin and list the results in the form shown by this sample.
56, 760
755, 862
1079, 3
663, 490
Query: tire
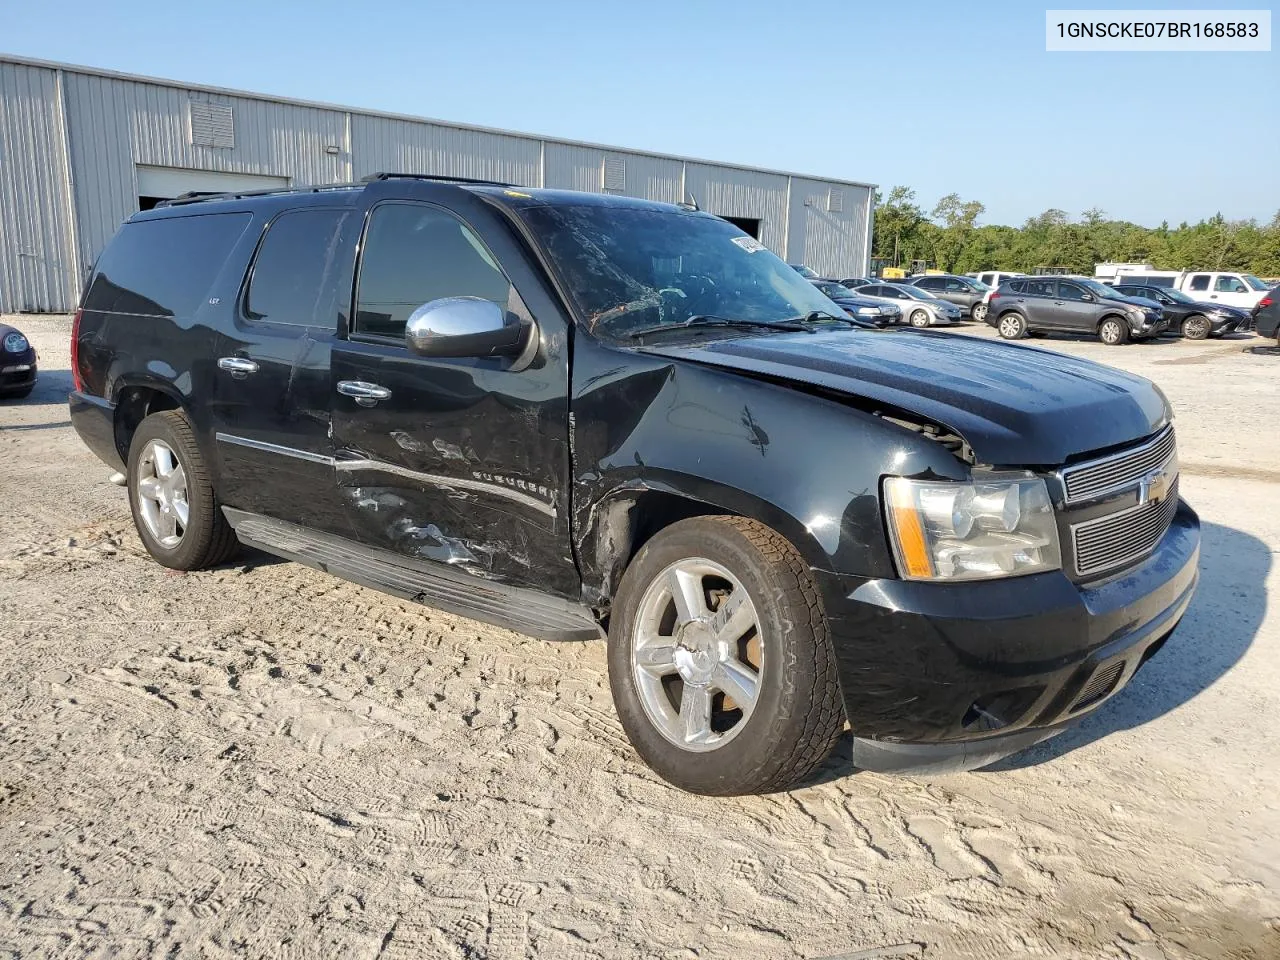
776, 739
1012, 326
1196, 327
978, 312
205, 539
1113, 331
919, 318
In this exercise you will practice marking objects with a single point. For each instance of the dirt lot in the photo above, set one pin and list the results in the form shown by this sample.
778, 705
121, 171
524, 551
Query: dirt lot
265, 761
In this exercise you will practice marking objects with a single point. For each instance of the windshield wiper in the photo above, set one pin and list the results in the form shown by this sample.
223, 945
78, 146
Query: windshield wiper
817, 316
702, 320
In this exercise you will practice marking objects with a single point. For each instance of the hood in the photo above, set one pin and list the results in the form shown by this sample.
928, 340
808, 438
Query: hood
1013, 405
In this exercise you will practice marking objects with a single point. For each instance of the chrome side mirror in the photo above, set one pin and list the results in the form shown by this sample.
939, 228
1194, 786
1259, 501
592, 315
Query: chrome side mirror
465, 327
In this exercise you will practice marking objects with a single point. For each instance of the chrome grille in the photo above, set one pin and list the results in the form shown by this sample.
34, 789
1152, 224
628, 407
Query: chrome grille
1085, 481
1122, 538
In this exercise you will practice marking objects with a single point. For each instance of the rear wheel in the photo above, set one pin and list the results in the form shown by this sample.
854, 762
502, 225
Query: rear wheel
919, 318
1196, 327
719, 661
171, 496
1012, 326
1113, 331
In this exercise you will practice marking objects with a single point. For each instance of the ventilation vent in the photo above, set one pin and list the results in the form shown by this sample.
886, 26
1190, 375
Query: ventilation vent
835, 200
615, 173
211, 125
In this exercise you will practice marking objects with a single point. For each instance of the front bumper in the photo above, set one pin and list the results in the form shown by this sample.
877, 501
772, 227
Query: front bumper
18, 371
94, 420
942, 676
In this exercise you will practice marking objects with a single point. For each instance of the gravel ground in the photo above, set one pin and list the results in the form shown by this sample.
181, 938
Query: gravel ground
263, 760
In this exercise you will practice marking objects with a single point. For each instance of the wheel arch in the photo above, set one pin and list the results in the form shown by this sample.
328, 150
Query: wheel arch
134, 402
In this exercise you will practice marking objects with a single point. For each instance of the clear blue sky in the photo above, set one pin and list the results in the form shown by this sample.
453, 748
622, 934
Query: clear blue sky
942, 96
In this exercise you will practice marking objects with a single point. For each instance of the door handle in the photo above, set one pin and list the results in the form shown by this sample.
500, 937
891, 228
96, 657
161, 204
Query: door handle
1059, 302
238, 367
365, 394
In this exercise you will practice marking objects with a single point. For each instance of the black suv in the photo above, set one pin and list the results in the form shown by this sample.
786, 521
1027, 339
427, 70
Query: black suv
578, 415
1072, 305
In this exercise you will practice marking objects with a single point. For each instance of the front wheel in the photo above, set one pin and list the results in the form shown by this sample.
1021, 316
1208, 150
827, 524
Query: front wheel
1012, 326
1196, 327
979, 312
171, 496
719, 662
919, 318
1113, 332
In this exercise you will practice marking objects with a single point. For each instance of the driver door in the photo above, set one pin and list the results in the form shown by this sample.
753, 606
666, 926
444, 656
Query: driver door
455, 460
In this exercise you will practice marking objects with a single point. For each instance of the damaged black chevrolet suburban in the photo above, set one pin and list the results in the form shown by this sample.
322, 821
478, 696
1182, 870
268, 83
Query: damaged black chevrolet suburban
578, 415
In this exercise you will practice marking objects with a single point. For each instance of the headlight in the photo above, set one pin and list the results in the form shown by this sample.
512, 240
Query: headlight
1001, 527
15, 343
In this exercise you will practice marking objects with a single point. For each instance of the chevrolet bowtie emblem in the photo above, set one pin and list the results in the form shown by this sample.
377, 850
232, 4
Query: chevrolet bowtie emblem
1154, 486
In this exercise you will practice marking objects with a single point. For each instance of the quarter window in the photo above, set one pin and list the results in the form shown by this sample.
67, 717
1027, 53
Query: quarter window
413, 254
294, 276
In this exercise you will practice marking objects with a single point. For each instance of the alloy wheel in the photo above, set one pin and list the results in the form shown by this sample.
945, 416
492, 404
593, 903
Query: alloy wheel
696, 654
161, 483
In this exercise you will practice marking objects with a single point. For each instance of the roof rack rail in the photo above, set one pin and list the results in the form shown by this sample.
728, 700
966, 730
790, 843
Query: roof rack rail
432, 176
199, 196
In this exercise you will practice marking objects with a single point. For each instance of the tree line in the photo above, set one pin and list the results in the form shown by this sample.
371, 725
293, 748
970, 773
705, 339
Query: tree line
948, 237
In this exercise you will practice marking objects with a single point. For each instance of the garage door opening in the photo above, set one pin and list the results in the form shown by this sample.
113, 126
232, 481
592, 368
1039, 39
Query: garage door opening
747, 225
166, 183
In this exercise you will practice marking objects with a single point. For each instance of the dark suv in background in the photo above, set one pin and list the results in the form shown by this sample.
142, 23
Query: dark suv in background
965, 292
578, 415
1072, 305
1188, 317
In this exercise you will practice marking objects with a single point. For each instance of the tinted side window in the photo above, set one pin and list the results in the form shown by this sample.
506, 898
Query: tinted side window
1200, 281
1041, 288
929, 283
293, 274
164, 267
413, 254
957, 286
1017, 286
1069, 291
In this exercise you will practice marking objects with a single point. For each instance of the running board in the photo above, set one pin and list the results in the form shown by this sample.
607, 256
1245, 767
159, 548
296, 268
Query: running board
431, 584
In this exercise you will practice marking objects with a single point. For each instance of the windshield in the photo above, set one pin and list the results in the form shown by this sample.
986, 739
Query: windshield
630, 268
1176, 295
834, 290
1254, 282
1099, 289
916, 291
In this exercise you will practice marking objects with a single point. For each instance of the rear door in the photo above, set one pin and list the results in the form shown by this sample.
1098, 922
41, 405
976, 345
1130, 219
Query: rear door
270, 401
461, 461
1037, 302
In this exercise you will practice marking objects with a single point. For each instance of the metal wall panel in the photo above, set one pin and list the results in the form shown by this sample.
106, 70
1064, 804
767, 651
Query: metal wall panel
572, 167
35, 221
730, 192
384, 145
832, 242
68, 169
117, 124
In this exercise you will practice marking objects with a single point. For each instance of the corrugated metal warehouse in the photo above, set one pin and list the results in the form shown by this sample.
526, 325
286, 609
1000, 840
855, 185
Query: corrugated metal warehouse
83, 149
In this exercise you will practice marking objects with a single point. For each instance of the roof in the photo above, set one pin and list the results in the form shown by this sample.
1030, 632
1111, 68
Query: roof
316, 104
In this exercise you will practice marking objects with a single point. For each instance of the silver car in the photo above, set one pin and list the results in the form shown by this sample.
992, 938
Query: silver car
919, 307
